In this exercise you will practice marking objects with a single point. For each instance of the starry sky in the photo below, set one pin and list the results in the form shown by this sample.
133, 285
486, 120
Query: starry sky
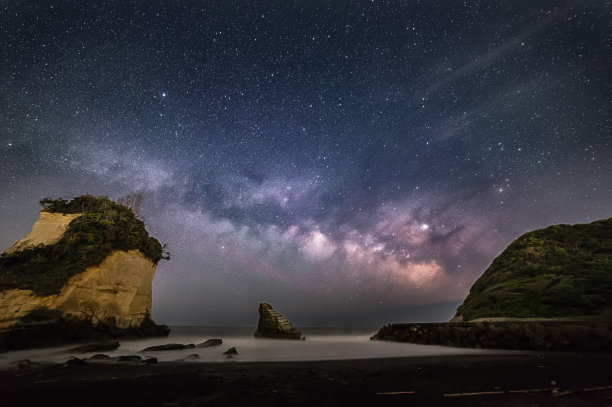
346, 161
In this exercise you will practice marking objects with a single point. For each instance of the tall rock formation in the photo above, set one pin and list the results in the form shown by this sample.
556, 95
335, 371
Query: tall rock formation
78, 276
274, 325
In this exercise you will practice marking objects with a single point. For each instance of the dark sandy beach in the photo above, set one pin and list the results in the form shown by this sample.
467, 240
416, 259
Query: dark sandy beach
526, 379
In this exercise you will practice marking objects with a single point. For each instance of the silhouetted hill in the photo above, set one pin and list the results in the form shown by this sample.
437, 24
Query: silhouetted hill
562, 271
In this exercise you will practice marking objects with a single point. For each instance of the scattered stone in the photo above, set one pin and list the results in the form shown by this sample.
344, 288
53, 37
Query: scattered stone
24, 364
231, 351
274, 325
95, 347
169, 346
129, 358
100, 356
210, 342
75, 362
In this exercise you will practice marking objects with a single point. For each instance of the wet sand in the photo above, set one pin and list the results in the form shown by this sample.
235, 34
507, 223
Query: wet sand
529, 379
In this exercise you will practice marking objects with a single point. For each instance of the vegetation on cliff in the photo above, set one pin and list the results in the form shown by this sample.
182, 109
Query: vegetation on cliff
104, 227
559, 271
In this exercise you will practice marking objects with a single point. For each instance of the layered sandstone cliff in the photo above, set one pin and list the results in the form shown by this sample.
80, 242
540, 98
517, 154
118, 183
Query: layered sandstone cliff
62, 299
48, 229
274, 325
117, 291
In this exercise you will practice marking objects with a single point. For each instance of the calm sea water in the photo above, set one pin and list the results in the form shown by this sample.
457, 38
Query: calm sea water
320, 344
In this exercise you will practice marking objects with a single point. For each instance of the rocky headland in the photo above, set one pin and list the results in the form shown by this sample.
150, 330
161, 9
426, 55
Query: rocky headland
274, 325
550, 289
84, 272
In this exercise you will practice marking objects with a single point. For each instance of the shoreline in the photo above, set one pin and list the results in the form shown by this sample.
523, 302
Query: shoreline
542, 378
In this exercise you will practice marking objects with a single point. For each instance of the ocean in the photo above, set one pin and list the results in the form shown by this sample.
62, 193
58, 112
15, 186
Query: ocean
320, 344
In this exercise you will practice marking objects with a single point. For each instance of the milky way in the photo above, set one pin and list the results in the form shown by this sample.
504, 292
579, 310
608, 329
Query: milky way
336, 159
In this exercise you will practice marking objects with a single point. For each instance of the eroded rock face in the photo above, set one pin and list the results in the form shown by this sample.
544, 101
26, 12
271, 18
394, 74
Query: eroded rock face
274, 325
117, 291
48, 229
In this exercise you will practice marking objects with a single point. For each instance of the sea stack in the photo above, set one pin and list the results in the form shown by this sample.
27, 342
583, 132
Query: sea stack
84, 272
274, 325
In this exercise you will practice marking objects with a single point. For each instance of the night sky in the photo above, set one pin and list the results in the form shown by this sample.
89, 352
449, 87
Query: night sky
341, 160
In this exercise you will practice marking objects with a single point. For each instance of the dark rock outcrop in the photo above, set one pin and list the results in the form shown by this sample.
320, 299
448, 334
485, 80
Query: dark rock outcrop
274, 325
209, 343
525, 335
231, 351
75, 362
169, 346
24, 364
50, 328
95, 347
99, 356
128, 358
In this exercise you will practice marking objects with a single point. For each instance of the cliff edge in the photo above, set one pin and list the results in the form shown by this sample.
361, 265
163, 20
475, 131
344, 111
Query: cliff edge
84, 272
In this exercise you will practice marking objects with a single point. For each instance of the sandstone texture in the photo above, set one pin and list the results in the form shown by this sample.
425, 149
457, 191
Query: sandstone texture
48, 229
117, 291
274, 325
110, 299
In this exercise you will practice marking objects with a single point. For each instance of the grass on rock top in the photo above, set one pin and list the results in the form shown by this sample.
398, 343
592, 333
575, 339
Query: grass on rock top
559, 271
104, 226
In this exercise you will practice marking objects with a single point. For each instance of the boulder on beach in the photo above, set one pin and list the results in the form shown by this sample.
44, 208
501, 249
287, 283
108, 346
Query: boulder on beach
274, 325
95, 347
128, 358
169, 346
231, 351
99, 356
73, 361
210, 342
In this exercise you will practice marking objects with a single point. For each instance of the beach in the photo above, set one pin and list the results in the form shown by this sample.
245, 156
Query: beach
530, 379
